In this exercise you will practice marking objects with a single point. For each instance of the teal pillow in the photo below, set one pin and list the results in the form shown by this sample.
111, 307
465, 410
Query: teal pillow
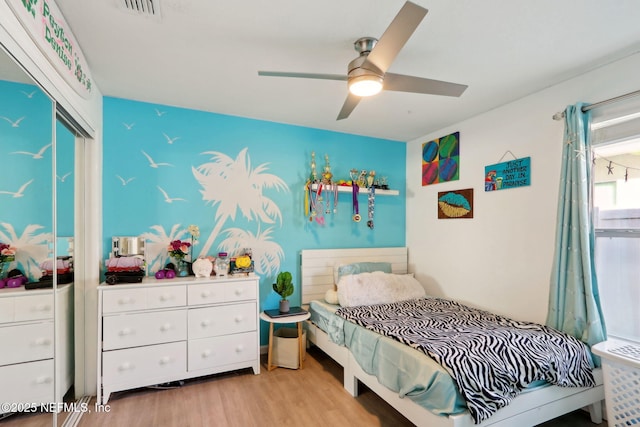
362, 267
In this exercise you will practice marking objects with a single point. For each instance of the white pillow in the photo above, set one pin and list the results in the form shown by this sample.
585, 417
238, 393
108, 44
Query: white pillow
331, 296
377, 288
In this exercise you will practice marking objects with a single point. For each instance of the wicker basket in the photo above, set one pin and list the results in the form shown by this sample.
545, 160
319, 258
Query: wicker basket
621, 368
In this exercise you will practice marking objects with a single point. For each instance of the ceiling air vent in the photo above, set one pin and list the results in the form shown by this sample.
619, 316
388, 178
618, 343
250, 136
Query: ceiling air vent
150, 8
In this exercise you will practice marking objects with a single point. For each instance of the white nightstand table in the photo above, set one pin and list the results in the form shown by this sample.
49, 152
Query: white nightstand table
298, 319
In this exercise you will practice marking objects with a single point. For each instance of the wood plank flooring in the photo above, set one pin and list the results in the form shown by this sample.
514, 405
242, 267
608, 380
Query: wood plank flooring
313, 396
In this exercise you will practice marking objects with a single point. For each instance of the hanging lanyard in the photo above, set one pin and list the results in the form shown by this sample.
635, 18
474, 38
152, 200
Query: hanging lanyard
370, 205
356, 211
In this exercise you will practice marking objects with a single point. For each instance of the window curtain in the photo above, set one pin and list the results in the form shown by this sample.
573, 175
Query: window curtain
574, 302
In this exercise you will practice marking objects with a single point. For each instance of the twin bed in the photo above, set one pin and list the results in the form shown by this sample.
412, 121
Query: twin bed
409, 380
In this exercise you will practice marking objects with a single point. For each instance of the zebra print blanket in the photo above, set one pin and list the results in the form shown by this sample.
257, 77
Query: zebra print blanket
491, 358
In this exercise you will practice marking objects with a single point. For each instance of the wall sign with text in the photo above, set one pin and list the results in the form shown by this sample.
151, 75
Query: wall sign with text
44, 22
505, 175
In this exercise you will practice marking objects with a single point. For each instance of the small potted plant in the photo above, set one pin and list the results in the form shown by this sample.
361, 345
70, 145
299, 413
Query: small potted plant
284, 288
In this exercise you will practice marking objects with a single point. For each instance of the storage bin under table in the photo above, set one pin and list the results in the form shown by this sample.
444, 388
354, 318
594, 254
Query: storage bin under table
621, 368
286, 345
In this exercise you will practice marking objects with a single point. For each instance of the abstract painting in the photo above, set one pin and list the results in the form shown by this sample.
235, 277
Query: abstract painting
441, 159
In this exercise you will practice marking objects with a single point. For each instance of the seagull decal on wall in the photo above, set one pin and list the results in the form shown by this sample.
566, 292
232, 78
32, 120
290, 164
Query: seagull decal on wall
14, 124
29, 95
37, 155
128, 126
20, 192
63, 177
169, 199
160, 113
125, 181
152, 163
169, 139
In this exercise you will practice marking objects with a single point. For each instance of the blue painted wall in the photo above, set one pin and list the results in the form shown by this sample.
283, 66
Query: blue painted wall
241, 182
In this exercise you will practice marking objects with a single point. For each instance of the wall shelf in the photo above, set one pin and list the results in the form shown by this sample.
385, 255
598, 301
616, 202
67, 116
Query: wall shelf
362, 190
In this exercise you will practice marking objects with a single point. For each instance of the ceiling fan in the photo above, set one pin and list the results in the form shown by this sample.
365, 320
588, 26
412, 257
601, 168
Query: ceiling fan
367, 74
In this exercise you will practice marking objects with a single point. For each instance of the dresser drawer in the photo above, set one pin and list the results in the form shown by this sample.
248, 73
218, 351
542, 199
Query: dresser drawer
33, 307
121, 300
6, 309
25, 343
219, 351
27, 382
210, 293
222, 320
144, 365
138, 329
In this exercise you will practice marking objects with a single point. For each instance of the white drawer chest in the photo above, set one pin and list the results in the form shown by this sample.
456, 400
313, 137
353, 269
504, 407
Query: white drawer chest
27, 325
166, 330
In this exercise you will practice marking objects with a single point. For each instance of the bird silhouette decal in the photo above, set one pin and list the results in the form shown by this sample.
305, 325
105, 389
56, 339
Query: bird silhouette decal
169, 199
152, 162
29, 95
37, 155
14, 124
63, 177
125, 181
160, 113
169, 139
128, 126
20, 192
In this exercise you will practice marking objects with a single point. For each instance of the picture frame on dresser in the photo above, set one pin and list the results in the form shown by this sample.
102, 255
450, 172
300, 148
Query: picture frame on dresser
167, 330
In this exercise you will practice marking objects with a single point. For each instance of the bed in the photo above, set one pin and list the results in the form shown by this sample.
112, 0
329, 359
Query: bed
443, 407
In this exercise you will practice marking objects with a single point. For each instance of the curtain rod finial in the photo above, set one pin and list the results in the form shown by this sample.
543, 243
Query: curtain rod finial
559, 115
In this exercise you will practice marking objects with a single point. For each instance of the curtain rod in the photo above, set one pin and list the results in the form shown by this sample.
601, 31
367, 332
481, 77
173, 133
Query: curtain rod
560, 114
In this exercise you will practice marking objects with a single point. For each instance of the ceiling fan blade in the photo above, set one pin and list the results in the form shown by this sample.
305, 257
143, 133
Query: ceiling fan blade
348, 106
395, 36
303, 75
402, 83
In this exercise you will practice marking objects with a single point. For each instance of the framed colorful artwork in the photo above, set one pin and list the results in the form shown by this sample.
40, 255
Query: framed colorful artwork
441, 159
455, 204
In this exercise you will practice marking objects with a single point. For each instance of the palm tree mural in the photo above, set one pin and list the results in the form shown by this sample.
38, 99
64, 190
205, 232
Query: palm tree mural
231, 185
265, 253
156, 243
31, 248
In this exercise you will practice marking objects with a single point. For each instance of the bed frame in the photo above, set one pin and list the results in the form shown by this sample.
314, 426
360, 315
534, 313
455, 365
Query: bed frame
528, 409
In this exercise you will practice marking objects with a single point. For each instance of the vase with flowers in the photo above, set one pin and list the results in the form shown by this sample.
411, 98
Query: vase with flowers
7, 255
178, 250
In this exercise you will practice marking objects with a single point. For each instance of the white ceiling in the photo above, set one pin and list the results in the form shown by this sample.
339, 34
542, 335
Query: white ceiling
205, 55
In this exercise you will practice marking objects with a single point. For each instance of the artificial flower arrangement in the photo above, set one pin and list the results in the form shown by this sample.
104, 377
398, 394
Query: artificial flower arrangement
178, 249
7, 253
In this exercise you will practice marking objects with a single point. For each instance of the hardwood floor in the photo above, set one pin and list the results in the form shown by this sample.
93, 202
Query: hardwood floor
313, 396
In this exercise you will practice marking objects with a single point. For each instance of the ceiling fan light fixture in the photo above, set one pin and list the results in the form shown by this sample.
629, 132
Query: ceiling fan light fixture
367, 85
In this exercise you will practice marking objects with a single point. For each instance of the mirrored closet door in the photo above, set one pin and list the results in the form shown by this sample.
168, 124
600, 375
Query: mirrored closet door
27, 238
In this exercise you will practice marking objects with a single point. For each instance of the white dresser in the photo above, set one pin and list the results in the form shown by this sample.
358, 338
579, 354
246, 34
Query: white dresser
172, 329
27, 327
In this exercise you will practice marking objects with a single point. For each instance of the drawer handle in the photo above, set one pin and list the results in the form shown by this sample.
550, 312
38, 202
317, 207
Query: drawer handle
240, 348
165, 360
43, 307
127, 300
44, 380
205, 323
205, 294
239, 291
239, 318
166, 327
125, 331
206, 354
42, 341
126, 366
166, 297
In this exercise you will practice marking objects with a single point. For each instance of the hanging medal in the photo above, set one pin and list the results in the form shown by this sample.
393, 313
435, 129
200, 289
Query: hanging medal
371, 200
356, 211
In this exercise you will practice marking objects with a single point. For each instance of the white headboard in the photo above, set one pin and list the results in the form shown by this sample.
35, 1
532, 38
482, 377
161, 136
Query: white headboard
317, 266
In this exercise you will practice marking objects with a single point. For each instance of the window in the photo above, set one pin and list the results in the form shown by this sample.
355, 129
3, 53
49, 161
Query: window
616, 200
